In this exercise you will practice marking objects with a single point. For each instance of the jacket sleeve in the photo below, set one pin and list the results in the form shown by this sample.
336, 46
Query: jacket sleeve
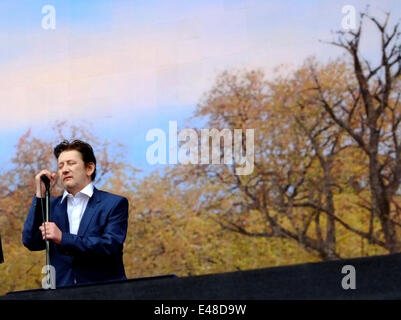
31, 235
109, 243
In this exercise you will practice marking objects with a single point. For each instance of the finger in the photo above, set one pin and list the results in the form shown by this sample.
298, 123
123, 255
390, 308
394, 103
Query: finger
50, 225
44, 172
47, 173
52, 180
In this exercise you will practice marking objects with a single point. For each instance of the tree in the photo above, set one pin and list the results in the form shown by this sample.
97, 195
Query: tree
369, 112
323, 132
292, 185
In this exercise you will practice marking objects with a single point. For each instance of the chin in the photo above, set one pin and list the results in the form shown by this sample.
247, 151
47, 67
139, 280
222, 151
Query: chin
68, 186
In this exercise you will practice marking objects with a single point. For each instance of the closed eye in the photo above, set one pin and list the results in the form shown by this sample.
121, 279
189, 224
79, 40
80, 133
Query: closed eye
68, 162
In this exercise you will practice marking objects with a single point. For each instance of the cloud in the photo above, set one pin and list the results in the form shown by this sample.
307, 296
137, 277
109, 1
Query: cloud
137, 68
106, 74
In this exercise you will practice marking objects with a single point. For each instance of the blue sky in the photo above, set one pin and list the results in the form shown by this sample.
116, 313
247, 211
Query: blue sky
132, 66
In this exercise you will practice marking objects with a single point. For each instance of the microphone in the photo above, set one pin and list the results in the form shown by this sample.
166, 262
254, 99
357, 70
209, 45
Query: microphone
45, 180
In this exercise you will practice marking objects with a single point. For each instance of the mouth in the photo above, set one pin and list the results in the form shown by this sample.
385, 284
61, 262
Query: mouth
67, 178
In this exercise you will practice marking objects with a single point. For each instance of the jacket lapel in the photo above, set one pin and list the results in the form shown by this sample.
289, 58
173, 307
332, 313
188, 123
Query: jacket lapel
61, 216
89, 212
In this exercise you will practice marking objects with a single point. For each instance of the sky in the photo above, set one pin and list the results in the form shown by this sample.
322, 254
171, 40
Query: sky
130, 66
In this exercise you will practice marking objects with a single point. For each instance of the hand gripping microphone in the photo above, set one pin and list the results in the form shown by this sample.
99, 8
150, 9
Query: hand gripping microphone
45, 180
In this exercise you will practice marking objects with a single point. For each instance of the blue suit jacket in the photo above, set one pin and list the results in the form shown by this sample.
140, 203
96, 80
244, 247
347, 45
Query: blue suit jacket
95, 254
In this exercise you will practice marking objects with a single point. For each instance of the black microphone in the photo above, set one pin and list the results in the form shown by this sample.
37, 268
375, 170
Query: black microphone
45, 180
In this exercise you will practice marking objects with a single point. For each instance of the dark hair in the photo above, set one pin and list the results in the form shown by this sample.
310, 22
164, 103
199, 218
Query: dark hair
82, 147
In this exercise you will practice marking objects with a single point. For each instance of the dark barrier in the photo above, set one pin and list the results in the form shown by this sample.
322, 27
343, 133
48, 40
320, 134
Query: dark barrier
376, 277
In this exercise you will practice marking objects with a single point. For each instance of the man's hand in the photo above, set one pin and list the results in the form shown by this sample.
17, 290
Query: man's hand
40, 186
52, 232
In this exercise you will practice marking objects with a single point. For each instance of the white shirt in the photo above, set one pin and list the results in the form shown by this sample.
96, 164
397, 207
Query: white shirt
76, 206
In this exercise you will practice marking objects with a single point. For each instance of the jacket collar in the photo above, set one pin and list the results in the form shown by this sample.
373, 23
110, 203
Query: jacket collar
88, 191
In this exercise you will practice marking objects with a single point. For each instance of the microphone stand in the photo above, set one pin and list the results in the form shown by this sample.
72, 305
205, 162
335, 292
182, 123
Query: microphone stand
47, 219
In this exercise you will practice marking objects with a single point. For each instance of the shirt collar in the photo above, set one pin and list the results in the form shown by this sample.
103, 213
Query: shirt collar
88, 191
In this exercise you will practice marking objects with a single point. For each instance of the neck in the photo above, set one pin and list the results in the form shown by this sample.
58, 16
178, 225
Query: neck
77, 189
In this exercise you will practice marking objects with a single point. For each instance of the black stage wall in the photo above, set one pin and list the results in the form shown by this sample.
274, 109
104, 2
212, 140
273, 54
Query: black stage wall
376, 278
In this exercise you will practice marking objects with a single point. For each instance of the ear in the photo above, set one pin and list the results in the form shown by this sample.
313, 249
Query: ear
90, 168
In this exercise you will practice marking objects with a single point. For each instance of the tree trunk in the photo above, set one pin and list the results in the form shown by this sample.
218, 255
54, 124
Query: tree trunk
381, 204
330, 242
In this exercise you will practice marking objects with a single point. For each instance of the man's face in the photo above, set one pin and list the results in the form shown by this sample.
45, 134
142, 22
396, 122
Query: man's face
72, 171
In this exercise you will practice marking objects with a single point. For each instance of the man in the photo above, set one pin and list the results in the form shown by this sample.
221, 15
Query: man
88, 226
